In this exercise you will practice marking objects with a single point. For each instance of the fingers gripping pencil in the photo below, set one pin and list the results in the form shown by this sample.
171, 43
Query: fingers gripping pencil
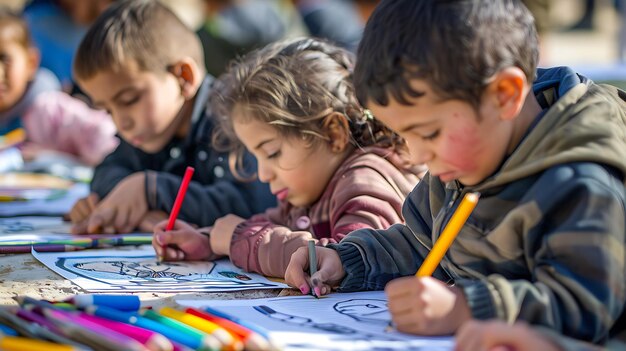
177, 204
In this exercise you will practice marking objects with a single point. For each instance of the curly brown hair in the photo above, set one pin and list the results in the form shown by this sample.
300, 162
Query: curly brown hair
293, 85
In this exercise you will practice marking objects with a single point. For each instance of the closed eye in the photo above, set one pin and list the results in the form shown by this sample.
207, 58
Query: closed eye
431, 136
274, 155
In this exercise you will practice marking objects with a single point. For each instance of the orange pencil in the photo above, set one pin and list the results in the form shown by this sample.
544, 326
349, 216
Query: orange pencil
251, 340
448, 235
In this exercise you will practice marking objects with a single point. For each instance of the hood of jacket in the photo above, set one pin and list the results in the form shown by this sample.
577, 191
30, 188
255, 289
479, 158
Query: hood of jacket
585, 122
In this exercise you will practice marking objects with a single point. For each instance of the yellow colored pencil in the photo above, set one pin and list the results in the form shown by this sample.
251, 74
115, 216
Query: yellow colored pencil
16, 343
448, 235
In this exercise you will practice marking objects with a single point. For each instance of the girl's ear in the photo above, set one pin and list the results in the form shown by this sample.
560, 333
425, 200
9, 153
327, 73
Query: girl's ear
188, 74
337, 129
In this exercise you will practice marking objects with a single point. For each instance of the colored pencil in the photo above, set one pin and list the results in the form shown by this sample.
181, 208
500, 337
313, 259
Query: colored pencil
151, 340
139, 321
227, 339
203, 338
448, 235
16, 343
120, 302
258, 329
178, 202
313, 266
12, 249
251, 340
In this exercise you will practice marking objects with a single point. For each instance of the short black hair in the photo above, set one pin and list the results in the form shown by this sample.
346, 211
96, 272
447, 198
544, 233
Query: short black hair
454, 45
145, 31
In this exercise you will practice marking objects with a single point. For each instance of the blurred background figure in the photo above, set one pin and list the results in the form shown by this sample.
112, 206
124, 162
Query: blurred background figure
57, 27
51, 125
229, 28
336, 20
234, 27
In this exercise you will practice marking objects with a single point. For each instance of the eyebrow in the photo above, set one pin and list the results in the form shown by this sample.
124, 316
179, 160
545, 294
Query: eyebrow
417, 125
115, 97
263, 143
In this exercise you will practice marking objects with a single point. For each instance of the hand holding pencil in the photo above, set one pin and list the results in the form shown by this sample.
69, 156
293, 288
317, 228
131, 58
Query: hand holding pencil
424, 305
183, 242
329, 271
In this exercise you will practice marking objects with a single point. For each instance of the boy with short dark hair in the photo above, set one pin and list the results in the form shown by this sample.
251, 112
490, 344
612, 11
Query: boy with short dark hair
546, 241
144, 66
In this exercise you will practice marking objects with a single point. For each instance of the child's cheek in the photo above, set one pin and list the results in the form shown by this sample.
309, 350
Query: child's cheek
462, 150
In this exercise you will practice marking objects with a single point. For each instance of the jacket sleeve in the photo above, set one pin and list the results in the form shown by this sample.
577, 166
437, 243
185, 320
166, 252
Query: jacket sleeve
116, 166
264, 245
575, 255
361, 198
63, 123
371, 258
365, 199
203, 204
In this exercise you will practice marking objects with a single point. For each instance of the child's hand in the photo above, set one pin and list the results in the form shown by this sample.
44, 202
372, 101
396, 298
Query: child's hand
499, 336
80, 212
184, 242
222, 233
30, 150
329, 270
426, 306
122, 209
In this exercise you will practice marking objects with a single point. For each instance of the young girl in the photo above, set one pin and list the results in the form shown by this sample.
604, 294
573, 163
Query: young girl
331, 165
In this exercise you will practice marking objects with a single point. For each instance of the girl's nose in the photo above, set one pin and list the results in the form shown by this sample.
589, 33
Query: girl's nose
265, 173
125, 124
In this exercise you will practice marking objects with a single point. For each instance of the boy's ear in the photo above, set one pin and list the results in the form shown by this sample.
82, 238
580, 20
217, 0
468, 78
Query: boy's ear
188, 74
337, 129
510, 88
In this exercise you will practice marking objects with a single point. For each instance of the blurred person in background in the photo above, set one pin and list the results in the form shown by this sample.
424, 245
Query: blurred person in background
53, 123
57, 26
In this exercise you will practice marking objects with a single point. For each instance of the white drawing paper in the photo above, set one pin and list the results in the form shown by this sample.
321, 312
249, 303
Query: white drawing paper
341, 321
32, 228
139, 271
45, 207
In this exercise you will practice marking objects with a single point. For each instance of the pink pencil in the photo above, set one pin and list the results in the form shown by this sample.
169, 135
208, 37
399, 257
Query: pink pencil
178, 203
153, 341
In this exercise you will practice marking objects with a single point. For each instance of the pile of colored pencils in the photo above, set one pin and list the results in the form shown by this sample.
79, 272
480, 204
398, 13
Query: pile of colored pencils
116, 322
74, 243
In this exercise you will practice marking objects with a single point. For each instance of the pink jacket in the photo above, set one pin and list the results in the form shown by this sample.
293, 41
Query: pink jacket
366, 191
57, 121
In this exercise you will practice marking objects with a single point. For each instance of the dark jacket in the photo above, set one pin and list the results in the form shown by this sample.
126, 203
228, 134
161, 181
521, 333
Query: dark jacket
546, 242
213, 191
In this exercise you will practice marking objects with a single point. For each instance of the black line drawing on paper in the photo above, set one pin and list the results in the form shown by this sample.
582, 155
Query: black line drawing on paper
365, 310
327, 327
145, 273
32, 226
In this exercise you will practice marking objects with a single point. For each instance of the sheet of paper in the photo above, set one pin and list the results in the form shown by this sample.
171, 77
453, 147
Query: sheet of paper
348, 321
47, 207
32, 227
138, 270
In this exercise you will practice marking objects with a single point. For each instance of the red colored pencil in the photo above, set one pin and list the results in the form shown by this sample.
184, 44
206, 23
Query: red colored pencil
178, 202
